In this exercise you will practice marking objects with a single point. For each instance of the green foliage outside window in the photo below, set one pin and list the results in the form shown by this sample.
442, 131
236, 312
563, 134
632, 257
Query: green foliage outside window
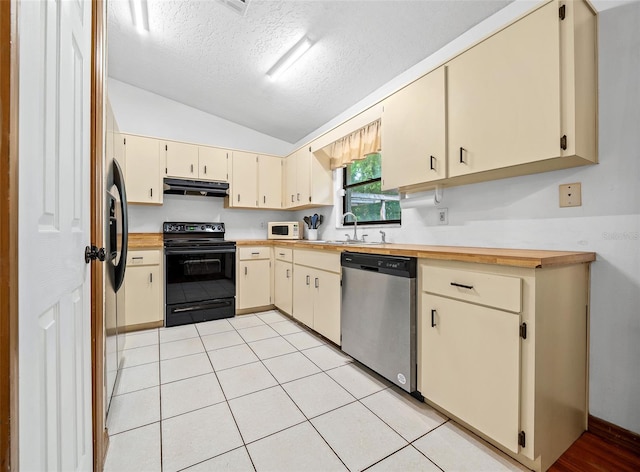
364, 195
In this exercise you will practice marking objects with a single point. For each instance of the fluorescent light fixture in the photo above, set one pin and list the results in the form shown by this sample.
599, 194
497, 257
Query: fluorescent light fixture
140, 15
290, 58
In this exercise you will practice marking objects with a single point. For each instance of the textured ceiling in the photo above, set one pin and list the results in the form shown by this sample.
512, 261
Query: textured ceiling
203, 54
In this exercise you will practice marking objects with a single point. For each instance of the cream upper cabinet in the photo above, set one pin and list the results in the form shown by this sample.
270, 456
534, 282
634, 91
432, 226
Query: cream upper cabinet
212, 163
253, 277
290, 177
308, 179
143, 289
504, 350
270, 182
413, 133
513, 98
181, 160
244, 178
143, 169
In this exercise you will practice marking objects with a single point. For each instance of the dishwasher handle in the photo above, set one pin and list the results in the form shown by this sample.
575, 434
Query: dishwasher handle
369, 268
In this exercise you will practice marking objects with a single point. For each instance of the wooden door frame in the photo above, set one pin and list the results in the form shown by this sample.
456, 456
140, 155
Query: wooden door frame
9, 232
8, 236
98, 72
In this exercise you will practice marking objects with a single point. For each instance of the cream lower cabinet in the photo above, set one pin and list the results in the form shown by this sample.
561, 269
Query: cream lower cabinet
143, 289
283, 279
504, 350
253, 277
317, 290
143, 174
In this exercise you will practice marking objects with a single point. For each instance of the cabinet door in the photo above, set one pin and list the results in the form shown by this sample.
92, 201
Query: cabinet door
504, 97
290, 181
470, 365
303, 295
269, 182
182, 160
326, 304
244, 180
303, 176
143, 175
283, 286
213, 163
413, 133
143, 295
254, 284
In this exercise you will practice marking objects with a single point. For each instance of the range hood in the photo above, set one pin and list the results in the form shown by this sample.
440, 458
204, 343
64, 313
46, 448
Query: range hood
195, 187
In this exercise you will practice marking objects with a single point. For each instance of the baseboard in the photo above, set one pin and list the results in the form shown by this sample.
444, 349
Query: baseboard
141, 326
615, 434
255, 309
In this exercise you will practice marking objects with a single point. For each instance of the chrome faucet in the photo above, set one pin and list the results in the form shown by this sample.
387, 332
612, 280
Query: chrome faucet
355, 224
384, 236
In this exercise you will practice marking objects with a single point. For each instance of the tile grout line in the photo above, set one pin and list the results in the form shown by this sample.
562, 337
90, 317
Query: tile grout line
226, 400
300, 410
160, 400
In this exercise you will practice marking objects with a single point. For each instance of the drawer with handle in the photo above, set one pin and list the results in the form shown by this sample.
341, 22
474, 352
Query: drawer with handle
151, 257
249, 253
283, 254
482, 288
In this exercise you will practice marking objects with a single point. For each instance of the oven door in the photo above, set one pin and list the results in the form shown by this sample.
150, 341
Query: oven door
199, 284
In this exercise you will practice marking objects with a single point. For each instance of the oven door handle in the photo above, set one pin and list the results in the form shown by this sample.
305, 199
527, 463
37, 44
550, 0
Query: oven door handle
172, 252
200, 307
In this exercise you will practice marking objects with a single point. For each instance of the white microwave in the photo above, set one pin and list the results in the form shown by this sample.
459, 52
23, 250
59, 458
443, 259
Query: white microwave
284, 230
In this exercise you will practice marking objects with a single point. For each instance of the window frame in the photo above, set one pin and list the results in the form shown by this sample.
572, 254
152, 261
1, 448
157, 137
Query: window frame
346, 187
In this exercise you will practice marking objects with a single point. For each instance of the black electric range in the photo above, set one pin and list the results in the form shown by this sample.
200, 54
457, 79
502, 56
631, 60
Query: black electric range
200, 273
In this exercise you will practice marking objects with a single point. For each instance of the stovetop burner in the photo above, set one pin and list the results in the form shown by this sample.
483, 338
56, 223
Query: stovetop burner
193, 234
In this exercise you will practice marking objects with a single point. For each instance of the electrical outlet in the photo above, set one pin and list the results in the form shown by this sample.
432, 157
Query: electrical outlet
443, 216
570, 195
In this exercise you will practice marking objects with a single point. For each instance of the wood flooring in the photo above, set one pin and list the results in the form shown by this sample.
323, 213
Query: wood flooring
591, 453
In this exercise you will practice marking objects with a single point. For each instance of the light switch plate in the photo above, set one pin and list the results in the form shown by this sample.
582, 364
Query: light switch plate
570, 195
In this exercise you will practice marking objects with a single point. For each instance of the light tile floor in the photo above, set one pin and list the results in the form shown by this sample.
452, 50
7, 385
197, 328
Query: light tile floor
260, 392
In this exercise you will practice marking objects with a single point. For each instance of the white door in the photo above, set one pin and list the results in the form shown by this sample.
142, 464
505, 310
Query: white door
54, 227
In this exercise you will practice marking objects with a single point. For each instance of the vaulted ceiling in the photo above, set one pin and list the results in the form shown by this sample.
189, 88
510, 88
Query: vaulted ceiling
205, 55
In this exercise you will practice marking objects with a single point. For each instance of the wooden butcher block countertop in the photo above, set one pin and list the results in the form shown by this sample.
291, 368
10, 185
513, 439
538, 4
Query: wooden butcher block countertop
528, 258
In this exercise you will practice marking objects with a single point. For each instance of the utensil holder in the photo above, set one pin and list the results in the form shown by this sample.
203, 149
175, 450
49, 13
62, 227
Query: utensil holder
312, 234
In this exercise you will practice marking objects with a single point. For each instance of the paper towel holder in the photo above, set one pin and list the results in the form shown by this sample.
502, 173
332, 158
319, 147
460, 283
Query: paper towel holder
421, 199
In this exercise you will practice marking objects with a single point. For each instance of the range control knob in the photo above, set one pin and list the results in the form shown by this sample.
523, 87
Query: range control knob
202, 227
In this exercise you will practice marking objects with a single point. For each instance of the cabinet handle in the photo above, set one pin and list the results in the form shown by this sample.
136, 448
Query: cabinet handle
245, 270
431, 166
308, 279
433, 318
298, 197
287, 273
137, 257
317, 284
205, 169
238, 197
255, 253
264, 199
150, 277
281, 253
291, 198
461, 157
192, 168
468, 287
151, 192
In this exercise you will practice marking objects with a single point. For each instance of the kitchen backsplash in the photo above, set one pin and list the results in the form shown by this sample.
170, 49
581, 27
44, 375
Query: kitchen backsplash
240, 224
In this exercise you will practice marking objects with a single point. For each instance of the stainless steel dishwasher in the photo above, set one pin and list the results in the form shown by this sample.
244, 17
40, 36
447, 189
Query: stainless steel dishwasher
378, 317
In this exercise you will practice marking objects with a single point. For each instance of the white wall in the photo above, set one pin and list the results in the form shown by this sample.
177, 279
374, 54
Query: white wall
523, 212
240, 224
138, 111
